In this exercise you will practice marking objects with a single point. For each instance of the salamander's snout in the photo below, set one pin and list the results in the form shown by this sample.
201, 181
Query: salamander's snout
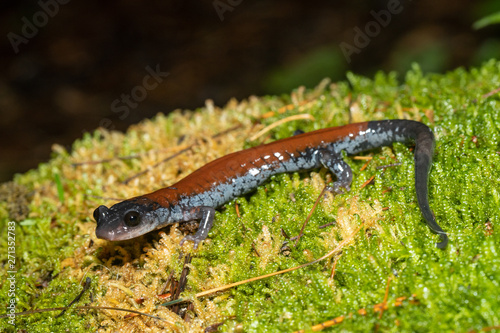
100, 214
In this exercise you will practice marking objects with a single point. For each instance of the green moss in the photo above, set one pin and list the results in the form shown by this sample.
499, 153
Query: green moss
455, 289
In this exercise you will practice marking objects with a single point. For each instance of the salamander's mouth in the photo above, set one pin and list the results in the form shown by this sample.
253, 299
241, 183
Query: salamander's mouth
103, 234
119, 231
115, 234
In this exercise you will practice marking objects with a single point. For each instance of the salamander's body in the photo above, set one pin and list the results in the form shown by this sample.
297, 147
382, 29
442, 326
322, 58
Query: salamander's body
196, 196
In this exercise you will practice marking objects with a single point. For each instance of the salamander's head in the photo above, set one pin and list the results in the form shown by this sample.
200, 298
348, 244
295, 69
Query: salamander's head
127, 219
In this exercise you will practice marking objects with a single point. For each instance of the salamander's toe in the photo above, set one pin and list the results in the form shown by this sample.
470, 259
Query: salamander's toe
191, 238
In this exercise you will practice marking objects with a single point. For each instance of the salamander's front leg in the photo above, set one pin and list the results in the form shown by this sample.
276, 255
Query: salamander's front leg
206, 216
339, 168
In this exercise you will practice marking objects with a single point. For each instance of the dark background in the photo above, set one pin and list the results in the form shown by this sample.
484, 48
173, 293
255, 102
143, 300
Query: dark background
64, 76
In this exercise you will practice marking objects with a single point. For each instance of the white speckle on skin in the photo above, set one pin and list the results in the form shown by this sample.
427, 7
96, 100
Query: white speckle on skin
279, 156
254, 171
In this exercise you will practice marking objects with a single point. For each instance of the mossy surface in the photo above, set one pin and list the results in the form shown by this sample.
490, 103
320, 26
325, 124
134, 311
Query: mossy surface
451, 290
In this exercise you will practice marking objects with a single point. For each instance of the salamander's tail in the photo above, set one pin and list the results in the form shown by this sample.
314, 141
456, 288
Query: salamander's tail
403, 131
424, 150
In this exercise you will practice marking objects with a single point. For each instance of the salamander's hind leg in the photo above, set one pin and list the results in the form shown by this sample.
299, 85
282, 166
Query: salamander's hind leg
206, 217
339, 168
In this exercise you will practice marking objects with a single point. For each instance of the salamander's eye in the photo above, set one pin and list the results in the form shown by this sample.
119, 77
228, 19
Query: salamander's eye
132, 218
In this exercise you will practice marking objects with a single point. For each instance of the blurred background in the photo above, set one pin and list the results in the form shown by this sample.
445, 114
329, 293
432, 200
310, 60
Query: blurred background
69, 66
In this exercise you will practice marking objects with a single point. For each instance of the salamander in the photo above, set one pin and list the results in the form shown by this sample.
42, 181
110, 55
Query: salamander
196, 196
